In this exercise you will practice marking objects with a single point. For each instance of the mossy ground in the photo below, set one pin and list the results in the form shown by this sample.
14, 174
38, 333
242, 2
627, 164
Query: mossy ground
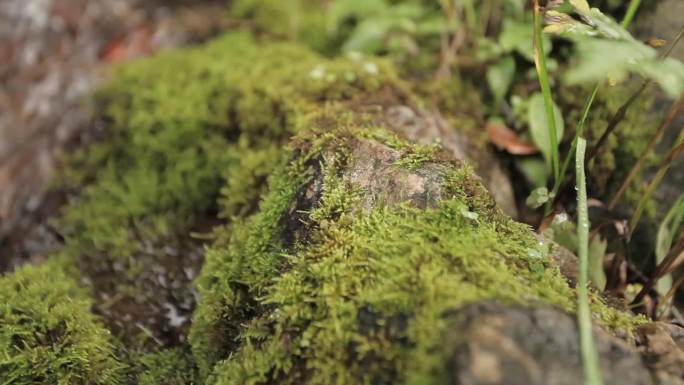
200, 133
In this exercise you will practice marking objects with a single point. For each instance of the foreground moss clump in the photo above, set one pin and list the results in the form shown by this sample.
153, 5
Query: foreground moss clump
48, 334
363, 297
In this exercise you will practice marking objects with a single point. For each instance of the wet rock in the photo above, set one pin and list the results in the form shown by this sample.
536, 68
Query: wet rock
499, 344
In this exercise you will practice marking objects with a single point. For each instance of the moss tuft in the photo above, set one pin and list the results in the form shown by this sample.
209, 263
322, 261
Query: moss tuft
48, 334
166, 367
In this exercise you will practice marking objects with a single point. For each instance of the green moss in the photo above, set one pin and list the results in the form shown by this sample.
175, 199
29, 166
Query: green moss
48, 335
181, 121
166, 367
298, 20
364, 298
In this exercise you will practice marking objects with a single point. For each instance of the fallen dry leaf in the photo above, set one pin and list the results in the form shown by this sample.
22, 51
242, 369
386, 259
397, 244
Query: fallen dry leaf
506, 139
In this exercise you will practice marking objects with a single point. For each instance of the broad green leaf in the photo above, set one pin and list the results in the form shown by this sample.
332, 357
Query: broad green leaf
535, 170
518, 36
615, 59
539, 129
367, 37
500, 77
608, 51
666, 232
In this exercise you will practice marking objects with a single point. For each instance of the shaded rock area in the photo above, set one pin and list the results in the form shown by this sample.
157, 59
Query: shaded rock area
54, 53
498, 344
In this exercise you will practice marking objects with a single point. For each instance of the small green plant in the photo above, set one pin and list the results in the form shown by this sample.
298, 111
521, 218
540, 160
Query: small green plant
590, 360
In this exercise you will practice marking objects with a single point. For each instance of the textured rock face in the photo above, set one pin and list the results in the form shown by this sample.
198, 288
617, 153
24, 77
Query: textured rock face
426, 128
500, 344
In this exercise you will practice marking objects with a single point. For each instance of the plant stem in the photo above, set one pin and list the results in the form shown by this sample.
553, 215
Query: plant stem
540, 64
578, 133
631, 11
662, 269
590, 360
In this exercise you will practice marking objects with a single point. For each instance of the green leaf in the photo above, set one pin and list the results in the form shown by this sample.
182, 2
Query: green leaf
600, 58
607, 50
518, 36
367, 37
534, 169
500, 77
536, 119
343, 9
538, 197
666, 232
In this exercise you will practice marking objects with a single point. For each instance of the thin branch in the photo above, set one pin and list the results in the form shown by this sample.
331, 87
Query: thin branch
662, 269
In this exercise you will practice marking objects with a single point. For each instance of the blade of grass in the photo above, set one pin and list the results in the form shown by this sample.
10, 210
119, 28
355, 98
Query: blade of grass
578, 133
590, 360
631, 11
540, 64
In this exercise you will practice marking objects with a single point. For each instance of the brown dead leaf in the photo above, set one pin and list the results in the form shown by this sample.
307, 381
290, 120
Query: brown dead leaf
506, 139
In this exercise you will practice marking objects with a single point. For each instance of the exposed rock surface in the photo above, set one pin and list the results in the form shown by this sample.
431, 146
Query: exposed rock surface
425, 127
500, 344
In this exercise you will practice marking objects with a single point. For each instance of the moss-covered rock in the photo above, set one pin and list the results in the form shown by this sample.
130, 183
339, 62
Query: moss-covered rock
191, 134
48, 334
340, 255
347, 273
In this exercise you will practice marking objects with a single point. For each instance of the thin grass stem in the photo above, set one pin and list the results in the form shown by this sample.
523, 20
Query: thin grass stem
590, 359
631, 11
542, 73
